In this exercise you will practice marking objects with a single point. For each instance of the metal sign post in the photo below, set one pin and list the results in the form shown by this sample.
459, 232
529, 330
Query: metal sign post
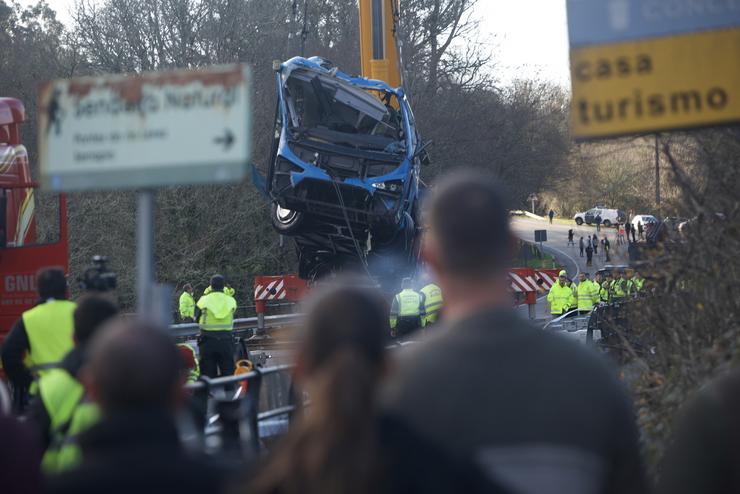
145, 131
145, 253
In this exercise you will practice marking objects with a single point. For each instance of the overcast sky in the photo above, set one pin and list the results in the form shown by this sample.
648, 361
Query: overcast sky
529, 37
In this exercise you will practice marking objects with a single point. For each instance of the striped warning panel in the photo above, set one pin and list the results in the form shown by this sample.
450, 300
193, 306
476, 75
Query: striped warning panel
522, 281
274, 290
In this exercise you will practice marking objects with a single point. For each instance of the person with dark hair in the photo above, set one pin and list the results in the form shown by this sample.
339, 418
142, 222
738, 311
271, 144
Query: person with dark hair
342, 444
702, 455
62, 409
551, 215
596, 244
135, 377
186, 304
215, 315
534, 409
589, 255
41, 337
581, 246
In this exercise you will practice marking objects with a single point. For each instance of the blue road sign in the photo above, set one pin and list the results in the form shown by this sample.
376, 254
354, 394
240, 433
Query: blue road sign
593, 22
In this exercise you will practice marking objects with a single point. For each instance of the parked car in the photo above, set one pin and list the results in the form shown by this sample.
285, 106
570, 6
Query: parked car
609, 216
344, 173
645, 219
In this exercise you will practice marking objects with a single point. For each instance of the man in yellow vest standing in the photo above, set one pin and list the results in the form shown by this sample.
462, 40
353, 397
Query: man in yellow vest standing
215, 313
405, 310
62, 410
431, 304
560, 296
42, 336
187, 304
585, 294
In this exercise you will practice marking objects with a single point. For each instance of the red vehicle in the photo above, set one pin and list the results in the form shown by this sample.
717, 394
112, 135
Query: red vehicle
21, 255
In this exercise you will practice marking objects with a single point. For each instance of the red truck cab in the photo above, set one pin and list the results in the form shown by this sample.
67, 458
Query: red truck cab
21, 255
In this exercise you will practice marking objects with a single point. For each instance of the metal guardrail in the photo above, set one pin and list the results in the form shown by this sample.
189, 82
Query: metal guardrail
236, 409
190, 330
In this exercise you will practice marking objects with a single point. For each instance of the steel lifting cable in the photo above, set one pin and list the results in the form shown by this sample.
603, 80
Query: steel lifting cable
304, 29
360, 252
396, 15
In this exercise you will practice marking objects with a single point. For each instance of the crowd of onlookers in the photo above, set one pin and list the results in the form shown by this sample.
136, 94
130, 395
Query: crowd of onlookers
486, 402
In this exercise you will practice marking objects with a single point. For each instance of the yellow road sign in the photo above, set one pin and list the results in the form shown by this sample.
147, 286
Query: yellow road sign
649, 85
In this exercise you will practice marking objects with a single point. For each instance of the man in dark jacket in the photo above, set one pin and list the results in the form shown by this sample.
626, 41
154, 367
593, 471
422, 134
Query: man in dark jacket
703, 455
135, 375
536, 411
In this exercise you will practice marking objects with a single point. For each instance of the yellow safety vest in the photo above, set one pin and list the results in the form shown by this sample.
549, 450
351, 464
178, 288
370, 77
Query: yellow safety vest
595, 292
639, 283
405, 304
70, 414
559, 298
217, 312
618, 288
432, 303
585, 295
187, 306
50, 328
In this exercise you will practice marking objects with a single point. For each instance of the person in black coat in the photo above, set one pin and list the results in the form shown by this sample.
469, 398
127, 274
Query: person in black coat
135, 375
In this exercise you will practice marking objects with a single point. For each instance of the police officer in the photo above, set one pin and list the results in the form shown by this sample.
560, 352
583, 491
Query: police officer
606, 292
619, 287
584, 294
187, 304
629, 284
431, 304
560, 296
43, 335
62, 410
215, 313
638, 282
596, 288
405, 310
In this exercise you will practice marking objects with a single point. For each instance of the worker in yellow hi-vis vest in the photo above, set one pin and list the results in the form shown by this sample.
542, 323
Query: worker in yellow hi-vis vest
405, 310
431, 304
187, 304
215, 314
41, 337
560, 296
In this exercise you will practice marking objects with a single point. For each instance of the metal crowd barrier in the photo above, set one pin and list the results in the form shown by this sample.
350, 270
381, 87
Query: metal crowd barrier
236, 413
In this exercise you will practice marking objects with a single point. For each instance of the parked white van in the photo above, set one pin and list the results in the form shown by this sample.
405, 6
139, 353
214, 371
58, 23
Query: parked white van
609, 217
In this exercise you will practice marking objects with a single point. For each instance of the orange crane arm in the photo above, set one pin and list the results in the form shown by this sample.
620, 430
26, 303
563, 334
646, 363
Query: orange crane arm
378, 47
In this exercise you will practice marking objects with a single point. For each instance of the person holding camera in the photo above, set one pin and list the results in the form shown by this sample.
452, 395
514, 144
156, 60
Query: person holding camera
215, 315
41, 337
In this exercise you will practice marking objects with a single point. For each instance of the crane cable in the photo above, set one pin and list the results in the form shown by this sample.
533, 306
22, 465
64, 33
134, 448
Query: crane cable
304, 29
303, 35
396, 15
